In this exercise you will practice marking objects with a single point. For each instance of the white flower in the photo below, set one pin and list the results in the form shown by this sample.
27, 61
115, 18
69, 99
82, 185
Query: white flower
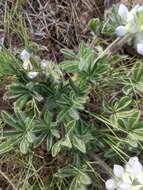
121, 31
25, 56
126, 178
124, 186
44, 64
140, 178
128, 19
131, 23
140, 48
130, 178
134, 167
118, 171
123, 12
32, 75
110, 184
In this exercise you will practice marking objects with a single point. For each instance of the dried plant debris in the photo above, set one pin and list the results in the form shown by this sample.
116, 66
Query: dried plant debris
50, 24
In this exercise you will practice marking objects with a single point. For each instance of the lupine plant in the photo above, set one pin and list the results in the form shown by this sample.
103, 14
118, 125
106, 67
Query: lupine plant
87, 108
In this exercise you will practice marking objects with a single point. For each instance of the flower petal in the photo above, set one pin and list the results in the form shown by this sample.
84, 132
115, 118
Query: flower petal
139, 38
133, 166
44, 64
124, 186
140, 48
123, 12
121, 31
24, 55
32, 75
126, 178
131, 26
140, 9
110, 184
118, 170
135, 9
140, 178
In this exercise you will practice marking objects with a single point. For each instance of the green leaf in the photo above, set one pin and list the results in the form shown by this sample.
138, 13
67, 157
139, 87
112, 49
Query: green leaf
74, 114
24, 146
10, 133
139, 86
137, 72
30, 136
127, 89
21, 102
94, 24
62, 114
84, 178
56, 149
7, 146
10, 120
133, 119
55, 133
47, 117
49, 142
123, 103
68, 53
39, 139
66, 142
74, 184
79, 144
70, 126
70, 66
65, 172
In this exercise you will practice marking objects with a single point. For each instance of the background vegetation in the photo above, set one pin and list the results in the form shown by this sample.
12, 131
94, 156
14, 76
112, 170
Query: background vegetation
64, 129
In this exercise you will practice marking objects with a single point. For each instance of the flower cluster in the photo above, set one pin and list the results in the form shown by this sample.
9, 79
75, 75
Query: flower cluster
128, 178
27, 65
44, 67
132, 23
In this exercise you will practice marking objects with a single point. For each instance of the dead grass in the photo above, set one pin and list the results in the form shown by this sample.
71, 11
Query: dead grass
47, 25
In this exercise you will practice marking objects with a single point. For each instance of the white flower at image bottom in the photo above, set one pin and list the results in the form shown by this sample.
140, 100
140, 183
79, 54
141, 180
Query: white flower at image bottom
128, 178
